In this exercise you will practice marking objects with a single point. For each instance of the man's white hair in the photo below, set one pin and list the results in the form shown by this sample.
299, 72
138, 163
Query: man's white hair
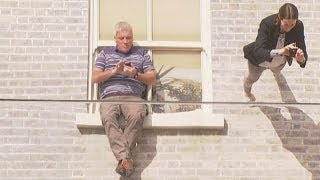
122, 25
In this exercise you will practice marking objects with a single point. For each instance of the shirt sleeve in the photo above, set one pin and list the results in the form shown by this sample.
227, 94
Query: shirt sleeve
274, 53
147, 63
101, 61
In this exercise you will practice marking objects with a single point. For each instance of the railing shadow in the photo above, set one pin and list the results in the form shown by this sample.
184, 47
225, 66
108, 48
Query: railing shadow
298, 132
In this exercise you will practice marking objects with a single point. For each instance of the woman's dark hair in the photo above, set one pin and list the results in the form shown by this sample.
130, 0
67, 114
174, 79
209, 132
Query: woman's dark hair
287, 11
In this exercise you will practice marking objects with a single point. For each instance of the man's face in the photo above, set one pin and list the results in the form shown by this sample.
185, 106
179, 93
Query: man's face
288, 24
124, 40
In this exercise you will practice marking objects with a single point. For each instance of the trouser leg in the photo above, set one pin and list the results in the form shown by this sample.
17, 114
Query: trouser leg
276, 70
122, 143
285, 91
110, 119
134, 115
254, 73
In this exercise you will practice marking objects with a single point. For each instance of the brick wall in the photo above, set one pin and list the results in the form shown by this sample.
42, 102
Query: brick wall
43, 55
43, 49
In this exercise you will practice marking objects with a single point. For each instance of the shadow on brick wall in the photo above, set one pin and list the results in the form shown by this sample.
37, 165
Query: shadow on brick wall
146, 150
298, 133
143, 154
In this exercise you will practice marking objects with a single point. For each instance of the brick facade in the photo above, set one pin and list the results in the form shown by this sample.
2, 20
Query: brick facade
44, 55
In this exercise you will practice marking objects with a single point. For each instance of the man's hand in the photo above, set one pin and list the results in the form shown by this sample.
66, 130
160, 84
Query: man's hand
129, 71
124, 68
119, 68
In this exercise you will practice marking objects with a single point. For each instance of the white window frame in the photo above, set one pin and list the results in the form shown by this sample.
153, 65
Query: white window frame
204, 46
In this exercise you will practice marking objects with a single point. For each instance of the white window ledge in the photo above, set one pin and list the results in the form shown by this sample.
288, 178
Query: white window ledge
182, 120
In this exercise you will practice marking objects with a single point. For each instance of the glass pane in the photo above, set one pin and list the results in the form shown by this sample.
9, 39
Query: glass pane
113, 11
176, 20
178, 79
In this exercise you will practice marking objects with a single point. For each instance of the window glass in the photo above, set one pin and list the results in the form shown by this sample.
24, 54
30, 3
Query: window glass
173, 22
178, 79
113, 11
176, 20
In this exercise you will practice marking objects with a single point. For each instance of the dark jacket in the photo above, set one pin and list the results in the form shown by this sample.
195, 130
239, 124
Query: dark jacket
268, 33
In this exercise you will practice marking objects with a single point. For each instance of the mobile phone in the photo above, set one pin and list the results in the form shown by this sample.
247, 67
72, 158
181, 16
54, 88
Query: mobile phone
293, 52
128, 64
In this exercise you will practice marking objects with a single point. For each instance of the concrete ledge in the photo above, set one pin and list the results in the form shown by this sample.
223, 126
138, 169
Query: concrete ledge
182, 120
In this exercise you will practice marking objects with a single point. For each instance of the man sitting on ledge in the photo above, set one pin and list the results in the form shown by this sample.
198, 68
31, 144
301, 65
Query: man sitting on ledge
123, 72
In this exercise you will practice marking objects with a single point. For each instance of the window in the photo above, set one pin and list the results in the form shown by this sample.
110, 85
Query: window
177, 35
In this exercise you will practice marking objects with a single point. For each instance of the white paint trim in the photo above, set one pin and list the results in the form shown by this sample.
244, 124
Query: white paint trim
207, 86
90, 50
149, 20
93, 33
161, 44
185, 120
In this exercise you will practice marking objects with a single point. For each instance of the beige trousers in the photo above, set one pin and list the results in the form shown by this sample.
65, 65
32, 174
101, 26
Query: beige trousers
121, 141
254, 73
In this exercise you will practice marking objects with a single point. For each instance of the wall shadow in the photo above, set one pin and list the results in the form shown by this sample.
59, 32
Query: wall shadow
143, 154
298, 132
147, 145
146, 149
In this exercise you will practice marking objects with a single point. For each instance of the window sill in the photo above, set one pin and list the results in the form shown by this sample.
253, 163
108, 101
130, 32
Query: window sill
182, 120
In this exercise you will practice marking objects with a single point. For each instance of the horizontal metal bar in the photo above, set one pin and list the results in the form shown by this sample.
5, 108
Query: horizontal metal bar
156, 102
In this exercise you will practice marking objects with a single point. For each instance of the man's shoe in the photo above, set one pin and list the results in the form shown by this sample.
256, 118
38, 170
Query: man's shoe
128, 166
119, 169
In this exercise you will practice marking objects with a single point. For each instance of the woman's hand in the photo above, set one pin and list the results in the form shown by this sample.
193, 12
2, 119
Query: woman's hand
300, 56
285, 51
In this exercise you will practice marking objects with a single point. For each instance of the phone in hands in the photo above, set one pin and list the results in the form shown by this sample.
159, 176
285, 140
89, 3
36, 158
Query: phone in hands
128, 64
293, 51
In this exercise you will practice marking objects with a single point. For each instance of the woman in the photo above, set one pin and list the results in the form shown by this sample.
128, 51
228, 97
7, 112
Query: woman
280, 39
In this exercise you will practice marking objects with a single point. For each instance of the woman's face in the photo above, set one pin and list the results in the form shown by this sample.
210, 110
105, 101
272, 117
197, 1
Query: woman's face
287, 24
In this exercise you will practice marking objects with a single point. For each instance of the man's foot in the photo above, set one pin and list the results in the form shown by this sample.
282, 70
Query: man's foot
127, 164
119, 169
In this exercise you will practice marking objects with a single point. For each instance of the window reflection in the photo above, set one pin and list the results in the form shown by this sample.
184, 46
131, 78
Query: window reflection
178, 79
